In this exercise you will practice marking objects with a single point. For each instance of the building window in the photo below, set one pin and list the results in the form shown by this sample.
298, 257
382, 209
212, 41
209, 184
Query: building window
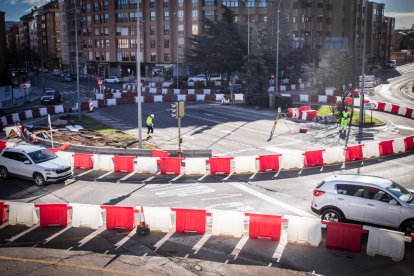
328, 7
180, 15
180, 3
122, 4
166, 43
106, 43
166, 16
180, 27
152, 4
122, 30
166, 29
194, 14
319, 5
296, 5
105, 5
209, 3
122, 17
96, 19
133, 16
231, 3
211, 15
152, 16
132, 4
181, 41
97, 56
106, 18
153, 57
194, 29
95, 6
328, 20
166, 57
132, 56
97, 31
133, 43
152, 29
165, 4
152, 44
133, 30
122, 43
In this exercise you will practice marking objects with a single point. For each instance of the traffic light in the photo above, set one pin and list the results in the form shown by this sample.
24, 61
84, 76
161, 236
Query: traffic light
181, 108
174, 110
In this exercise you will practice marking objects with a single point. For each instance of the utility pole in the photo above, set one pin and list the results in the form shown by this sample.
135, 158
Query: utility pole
138, 70
277, 48
361, 104
77, 59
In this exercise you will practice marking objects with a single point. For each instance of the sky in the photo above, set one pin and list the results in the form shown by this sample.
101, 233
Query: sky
402, 10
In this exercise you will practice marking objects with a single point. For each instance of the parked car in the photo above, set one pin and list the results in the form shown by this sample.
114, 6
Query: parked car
197, 78
366, 199
56, 72
215, 77
51, 96
35, 163
112, 79
66, 77
391, 63
235, 88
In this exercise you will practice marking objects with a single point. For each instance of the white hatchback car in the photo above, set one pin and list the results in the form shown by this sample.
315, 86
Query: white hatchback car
112, 79
367, 199
35, 163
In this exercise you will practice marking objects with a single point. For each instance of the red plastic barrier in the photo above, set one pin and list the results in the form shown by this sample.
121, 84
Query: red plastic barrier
348, 101
408, 112
354, 153
54, 149
313, 99
380, 106
311, 114
22, 116
9, 119
332, 99
3, 212
120, 217
83, 161
290, 112
395, 108
53, 214
366, 101
220, 165
386, 147
159, 153
2, 145
409, 143
50, 110
167, 98
269, 162
123, 163
296, 97
192, 220
170, 165
304, 107
191, 98
314, 158
356, 93
265, 226
149, 99
84, 105
343, 235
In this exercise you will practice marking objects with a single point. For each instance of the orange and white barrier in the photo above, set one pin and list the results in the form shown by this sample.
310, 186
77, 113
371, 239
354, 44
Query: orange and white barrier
158, 218
15, 117
181, 98
238, 97
245, 164
293, 160
304, 97
43, 111
206, 91
219, 97
100, 96
111, 102
228, 223
158, 98
191, 91
59, 109
200, 97
86, 215
304, 230
322, 99
399, 145
117, 95
195, 166
28, 114
68, 156
22, 213
371, 150
103, 162
147, 165
334, 155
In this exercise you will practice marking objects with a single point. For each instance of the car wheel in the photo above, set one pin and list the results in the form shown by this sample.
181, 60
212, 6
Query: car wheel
39, 180
332, 215
4, 173
408, 228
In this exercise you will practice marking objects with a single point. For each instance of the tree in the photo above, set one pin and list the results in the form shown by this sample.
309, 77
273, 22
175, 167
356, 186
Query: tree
219, 47
337, 69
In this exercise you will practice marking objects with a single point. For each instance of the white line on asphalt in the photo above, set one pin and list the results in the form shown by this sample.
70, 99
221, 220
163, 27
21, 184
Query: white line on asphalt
271, 200
221, 197
239, 246
126, 177
4, 225
210, 115
91, 236
163, 240
58, 233
81, 174
21, 234
201, 243
104, 175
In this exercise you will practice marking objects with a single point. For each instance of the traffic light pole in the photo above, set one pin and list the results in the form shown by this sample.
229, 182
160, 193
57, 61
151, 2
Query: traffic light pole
180, 153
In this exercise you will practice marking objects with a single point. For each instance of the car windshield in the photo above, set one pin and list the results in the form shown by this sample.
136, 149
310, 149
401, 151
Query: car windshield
403, 194
42, 156
49, 93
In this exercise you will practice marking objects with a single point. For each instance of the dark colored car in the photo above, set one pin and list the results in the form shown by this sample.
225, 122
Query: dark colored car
51, 97
236, 88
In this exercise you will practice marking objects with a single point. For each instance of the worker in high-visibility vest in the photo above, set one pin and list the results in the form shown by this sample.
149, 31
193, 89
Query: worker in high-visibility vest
150, 126
344, 121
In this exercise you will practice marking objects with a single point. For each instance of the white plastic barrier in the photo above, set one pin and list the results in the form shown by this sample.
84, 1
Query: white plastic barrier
146, 165
217, 83
271, 89
4, 120
388, 107
300, 80
11, 144
152, 84
293, 87
206, 91
329, 91
285, 95
191, 83
43, 111
117, 95
176, 91
227, 222
282, 88
245, 164
22, 213
191, 91
86, 215
136, 99
15, 117
322, 99
201, 97
195, 166
153, 90
158, 98
28, 114
110, 102
103, 162
296, 113
117, 91
292, 160
167, 84
308, 230
59, 109
304, 97
99, 96
371, 150
124, 86
95, 104
399, 145
219, 97
334, 155
181, 98
402, 110
304, 115
386, 243
67, 155
158, 218
301, 86
238, 97
164, 91
285, 81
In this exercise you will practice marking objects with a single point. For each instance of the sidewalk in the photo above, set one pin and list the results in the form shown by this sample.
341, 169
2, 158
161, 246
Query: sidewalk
35, 95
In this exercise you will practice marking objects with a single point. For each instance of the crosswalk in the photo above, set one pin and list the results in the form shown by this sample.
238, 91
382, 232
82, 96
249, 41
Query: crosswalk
398, 71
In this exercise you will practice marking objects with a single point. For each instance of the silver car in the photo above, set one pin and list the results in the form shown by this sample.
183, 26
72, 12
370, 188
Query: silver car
35, 163
367, 199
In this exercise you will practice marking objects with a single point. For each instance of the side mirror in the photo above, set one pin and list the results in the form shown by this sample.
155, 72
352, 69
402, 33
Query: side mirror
27, 162
393, 202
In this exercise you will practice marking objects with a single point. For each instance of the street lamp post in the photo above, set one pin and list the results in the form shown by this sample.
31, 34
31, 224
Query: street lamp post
138, 70
246, 3
361, 104
311, 35
176, 13
277, 48
77, 59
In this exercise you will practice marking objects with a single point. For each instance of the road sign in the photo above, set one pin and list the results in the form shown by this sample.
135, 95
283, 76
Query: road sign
370, 106
367, 84
367, 78
369, 90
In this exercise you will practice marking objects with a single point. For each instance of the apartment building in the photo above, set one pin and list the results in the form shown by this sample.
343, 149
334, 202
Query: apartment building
3, 59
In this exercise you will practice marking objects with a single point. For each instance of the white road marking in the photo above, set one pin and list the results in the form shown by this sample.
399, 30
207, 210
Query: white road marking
221, 197
81, 174
21, 234
104, 175
271, 200
180, 190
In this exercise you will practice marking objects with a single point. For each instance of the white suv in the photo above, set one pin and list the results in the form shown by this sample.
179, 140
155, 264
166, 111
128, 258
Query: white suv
367, 199
34, 162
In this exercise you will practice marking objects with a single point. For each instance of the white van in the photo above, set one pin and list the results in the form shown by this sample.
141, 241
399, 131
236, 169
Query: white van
391, 63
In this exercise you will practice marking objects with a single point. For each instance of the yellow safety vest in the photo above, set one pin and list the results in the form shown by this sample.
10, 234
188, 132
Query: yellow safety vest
149, 120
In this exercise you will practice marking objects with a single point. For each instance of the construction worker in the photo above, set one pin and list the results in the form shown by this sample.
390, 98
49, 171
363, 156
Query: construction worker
150, 126
344, 120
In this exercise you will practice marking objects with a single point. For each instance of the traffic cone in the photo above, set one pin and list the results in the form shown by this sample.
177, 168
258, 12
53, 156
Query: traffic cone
142, 217
142, 228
